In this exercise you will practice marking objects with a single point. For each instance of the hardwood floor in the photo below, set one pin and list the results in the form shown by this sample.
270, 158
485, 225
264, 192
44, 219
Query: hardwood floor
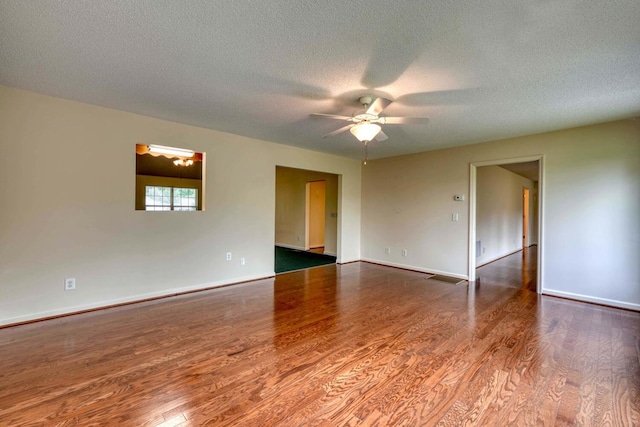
518, 270
357, 344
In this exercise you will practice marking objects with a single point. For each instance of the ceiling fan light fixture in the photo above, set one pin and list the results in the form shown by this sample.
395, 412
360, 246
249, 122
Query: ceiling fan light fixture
365, 131
183, 162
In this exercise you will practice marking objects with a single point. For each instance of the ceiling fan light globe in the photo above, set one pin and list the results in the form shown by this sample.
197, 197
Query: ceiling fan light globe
365, 131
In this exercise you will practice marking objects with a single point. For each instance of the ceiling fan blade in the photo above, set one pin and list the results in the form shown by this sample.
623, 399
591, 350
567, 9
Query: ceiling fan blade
331, 116
337, 131
378, 105
404, 120
381, 136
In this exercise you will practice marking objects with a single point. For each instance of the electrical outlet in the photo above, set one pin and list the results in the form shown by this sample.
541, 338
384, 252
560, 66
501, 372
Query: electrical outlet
298, 238
70, 284
228, 256
242, 261
387, 250
404, 252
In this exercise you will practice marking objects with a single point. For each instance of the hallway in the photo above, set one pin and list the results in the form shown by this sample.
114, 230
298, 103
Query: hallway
518, 270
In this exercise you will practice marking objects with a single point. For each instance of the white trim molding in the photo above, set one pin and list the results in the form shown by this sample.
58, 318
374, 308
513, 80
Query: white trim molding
489, 261
595, 300
414, 268
134, 299
283, 245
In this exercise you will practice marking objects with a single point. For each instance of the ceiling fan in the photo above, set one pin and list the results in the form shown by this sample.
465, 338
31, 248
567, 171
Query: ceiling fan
366, 126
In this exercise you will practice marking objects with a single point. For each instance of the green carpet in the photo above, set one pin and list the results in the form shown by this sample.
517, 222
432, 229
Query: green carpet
292, 259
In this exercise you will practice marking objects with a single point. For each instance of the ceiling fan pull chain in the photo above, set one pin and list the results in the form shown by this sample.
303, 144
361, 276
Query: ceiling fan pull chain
366, 152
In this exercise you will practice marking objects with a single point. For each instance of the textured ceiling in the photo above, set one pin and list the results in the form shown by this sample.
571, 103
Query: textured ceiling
480, 70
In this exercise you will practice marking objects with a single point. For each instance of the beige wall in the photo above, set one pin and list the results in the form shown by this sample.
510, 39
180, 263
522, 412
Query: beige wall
590, 210
499, 212
67, 185
290, 207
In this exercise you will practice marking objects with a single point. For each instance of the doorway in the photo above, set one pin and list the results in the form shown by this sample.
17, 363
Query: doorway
534, 201
306, 218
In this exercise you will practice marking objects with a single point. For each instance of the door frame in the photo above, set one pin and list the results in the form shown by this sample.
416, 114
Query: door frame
473, 170
526, 219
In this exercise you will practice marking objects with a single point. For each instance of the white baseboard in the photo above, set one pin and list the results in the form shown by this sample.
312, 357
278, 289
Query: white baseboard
284, 245
132, 299
595, 300
497, 257
301, 248
415, 268
347, 260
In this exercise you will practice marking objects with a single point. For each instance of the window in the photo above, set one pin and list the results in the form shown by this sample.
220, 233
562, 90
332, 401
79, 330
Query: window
170, 198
